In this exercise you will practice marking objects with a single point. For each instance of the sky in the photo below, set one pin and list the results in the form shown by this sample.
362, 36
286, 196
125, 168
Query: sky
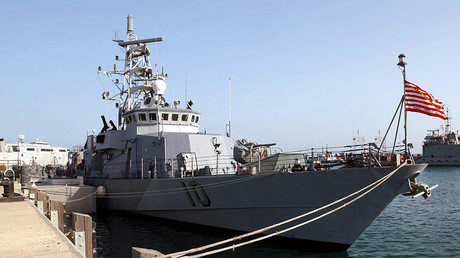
303, 73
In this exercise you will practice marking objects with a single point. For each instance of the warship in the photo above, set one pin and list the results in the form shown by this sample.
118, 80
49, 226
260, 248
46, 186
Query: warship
155, 161
441, 149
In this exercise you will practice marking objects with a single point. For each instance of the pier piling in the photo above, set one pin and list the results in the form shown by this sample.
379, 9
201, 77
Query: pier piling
84, 234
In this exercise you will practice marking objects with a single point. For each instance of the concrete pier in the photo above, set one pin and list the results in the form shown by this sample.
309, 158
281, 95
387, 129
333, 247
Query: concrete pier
27, 233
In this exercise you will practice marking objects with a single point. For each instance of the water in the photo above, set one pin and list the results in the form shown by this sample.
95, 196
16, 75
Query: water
407, 228
417, 227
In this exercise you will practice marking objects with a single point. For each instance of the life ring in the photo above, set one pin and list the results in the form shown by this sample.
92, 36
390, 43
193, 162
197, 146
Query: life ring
265, 153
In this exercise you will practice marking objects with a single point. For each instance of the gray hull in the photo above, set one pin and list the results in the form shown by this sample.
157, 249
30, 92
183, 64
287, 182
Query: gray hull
441, 155
250, 202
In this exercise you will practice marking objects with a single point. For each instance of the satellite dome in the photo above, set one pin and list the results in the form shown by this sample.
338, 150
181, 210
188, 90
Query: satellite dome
159, 86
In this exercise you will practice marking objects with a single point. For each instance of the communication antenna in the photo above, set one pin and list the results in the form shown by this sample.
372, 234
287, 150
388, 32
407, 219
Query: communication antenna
186, 100
130, 24
156, 50
173, 93
447, 131
229, 125
115, 37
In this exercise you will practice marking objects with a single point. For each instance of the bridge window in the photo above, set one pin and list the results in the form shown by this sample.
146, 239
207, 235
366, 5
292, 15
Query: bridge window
165, 116
193, 119
184, 117
100, 138
175, 117
153, 116
197, 118
142, 117
30, 149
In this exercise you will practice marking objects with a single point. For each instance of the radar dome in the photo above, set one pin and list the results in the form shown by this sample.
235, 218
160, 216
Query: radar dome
159, 86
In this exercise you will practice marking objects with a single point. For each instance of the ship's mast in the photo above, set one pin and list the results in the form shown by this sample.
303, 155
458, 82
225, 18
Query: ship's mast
447, 122
139, 82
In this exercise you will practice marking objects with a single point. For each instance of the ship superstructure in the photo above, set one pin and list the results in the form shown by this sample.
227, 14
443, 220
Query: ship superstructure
145, 116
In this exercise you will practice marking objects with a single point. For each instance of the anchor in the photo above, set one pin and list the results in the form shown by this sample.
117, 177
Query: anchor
421, 190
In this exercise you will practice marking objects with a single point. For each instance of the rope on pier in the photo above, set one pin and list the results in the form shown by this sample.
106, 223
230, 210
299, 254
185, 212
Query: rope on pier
372, 186
82, 198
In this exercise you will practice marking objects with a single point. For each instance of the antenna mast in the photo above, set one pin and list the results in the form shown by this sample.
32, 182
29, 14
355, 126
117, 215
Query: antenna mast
186, 100
138, 81
447, 122
229, 132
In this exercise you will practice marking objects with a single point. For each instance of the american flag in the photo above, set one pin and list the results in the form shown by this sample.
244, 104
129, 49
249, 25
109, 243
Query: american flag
418, 100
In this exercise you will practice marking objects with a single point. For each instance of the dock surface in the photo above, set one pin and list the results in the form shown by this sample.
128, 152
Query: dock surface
27, 233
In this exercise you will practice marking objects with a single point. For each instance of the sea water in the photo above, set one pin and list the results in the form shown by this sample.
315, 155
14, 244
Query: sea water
407, 228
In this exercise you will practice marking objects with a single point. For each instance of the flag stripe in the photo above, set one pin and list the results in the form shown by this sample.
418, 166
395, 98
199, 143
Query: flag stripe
422, 102
411, 93
419, 107
442, 116
418, 100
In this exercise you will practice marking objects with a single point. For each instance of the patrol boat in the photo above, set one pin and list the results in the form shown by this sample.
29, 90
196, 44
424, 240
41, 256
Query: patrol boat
156, 162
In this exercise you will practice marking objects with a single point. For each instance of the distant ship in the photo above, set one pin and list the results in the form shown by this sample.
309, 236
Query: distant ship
156, 162
441, 149
32, 162
29, 154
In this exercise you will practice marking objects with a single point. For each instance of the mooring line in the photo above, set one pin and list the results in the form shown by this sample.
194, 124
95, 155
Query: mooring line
82, 198
168, 191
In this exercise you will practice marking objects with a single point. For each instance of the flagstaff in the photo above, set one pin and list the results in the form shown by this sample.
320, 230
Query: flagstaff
402, 65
